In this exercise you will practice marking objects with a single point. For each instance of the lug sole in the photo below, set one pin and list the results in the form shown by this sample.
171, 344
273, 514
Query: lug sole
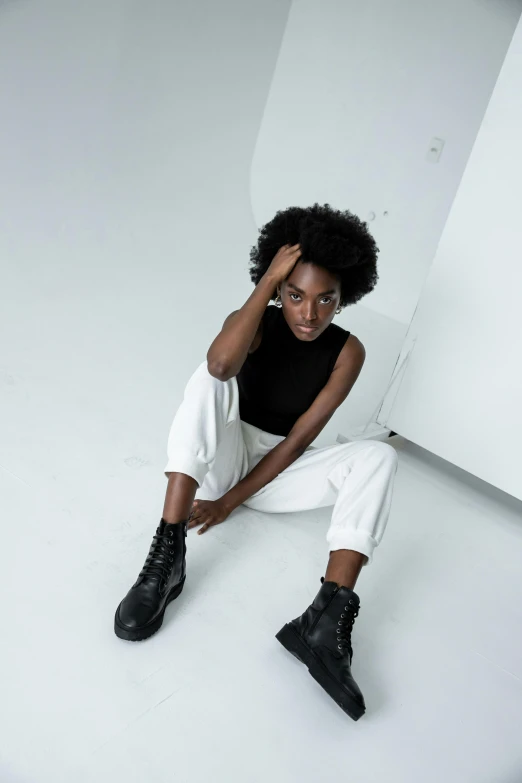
296, 645
145, 631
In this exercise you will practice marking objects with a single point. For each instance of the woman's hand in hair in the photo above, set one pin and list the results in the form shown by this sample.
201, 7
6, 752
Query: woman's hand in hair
283, 262
207, 513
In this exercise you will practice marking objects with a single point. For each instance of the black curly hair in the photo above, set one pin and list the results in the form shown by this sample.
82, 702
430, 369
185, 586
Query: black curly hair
336, 240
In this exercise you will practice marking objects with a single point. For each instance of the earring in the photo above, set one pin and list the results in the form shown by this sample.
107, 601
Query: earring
339, 310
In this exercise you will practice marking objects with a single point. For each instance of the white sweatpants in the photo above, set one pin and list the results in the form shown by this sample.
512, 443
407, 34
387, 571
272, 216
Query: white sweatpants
209, 442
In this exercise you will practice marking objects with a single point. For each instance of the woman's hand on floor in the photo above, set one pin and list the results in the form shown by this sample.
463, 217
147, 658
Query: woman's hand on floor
207, 513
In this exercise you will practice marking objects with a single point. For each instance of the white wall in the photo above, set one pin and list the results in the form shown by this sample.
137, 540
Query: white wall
359, 91
461, 389
126, 138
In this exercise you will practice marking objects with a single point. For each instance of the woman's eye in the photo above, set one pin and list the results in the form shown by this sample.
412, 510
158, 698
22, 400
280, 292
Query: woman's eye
324, 297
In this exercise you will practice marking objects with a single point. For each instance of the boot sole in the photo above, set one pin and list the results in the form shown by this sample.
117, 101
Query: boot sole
296, 645
145, 631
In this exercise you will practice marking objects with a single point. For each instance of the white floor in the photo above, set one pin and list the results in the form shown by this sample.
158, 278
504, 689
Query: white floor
213, 696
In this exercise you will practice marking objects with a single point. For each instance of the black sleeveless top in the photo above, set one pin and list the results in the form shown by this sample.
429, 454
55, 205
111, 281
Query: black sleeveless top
279, 381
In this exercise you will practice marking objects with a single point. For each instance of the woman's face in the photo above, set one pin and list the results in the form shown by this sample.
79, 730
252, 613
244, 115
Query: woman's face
310, 296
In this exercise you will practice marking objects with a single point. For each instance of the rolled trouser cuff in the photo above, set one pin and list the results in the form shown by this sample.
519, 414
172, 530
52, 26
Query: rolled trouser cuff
185, 462
357, 540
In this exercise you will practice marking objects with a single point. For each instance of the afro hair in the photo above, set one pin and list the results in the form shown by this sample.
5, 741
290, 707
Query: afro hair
336, 240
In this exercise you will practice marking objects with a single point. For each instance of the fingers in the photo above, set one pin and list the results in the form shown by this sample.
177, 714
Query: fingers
200, 515
194, 518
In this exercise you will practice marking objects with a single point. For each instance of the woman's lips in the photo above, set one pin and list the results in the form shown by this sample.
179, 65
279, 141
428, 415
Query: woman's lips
306, 329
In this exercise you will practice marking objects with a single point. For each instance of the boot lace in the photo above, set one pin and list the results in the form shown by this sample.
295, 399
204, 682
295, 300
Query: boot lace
160, 558
345, 626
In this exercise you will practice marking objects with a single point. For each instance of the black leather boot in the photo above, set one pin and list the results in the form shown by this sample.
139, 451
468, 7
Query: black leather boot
321, 639
160, 581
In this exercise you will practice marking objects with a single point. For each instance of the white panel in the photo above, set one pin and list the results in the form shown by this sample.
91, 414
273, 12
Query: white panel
462, 386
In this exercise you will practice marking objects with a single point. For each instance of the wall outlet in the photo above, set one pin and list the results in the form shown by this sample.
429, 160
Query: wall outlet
435, 150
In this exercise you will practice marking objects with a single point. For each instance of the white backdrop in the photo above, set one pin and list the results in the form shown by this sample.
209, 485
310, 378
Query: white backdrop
125, 145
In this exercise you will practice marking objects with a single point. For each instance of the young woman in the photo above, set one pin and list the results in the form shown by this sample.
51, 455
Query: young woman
273, 377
